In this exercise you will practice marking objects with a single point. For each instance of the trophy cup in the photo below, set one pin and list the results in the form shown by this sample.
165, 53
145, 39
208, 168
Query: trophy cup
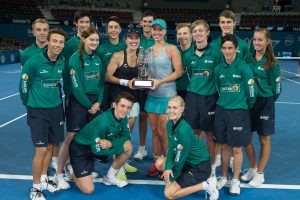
143, 70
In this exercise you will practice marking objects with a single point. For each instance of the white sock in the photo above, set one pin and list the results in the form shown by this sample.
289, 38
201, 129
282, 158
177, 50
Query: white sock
43, 177
122, 169
111, 172
36, 186
204, 185
55, 159
143, 147
59, 176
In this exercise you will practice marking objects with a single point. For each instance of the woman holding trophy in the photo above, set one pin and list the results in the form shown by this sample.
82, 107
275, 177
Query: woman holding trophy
164, 68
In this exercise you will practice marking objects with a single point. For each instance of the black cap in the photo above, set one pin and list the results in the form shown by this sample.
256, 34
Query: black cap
132, 31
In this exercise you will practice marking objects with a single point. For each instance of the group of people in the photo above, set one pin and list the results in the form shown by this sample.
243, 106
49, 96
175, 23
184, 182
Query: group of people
216, 87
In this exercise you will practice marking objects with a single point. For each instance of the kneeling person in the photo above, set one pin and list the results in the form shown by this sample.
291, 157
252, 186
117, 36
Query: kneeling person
187, 166
107, 134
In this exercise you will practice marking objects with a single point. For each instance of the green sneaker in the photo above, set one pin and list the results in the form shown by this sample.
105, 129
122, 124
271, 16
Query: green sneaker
129, 168
122, 176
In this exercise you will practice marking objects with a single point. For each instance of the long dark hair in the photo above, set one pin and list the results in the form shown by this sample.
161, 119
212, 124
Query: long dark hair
270, 57
91, 30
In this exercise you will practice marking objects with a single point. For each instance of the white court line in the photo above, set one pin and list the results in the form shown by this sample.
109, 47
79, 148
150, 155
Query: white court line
291, 80
289, 72
154, 182
11, 121
285, 102
9, 96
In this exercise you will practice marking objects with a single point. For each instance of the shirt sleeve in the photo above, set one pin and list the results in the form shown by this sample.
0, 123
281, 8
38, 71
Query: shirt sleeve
77, 81
250, 86
171, 155
25, 79
275, 81
101, 83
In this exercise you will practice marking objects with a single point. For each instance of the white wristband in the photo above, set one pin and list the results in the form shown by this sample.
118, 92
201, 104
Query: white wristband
124, 82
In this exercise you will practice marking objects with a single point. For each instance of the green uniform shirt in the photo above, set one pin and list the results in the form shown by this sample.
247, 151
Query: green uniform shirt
268, 82
146, 43
107, 127
106, 50
201, 72
29, 52
243, 49
235, 83
183, 82
184, 147
40, 86
86, 80
71, 47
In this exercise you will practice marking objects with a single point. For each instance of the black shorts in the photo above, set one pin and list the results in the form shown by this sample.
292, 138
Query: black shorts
200, 111
192, 175
232, 127
46, 125
263, 116
142, 97
77, 115
182, 93
107, 97
82, 159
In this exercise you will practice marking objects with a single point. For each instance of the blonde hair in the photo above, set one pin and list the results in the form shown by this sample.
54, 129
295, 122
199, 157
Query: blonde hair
39, 20
182, 25
200, 22
178, 99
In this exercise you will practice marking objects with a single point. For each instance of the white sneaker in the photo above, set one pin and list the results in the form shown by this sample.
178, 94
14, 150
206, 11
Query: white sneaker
140, 154
54, 164
49, 185
61, 182
212, 188
235, 188
36, 194
213, 170
114, 181
68, 171
94, 175
257, 180
222, 181
249, 174
218, 160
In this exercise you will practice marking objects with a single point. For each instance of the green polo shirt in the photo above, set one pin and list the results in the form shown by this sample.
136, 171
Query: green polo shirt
268, 82
201, 72
40, 83
183, 82
236, 86
86, 80
184, 147
29, 52
105, 126
106, 50
146, 43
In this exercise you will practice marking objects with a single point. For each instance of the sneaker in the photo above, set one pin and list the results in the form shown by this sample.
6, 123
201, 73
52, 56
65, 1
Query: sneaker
222, 181
68, 172
114, 180
94, 175
249, 174
49, 185
54, 164
152, 171
212, 188
235, 188
257, 180
36, 194
61, 182
122, 174
231, 163
140, 154
129, 168
218, 160
213, 170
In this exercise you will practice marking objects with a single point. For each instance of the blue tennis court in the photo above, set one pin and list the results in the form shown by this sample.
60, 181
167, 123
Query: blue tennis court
282, 173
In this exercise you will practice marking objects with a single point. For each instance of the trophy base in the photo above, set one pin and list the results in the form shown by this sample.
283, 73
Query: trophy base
142, 83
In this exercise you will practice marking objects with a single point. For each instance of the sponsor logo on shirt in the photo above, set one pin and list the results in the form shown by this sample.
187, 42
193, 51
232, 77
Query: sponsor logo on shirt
49, 83
86, 64
59, 71
208, 61
193, 62
97, 64
90, 75
108, 54
228, 87
221, 76
260, 68
237, 128
264, 117
25, 77
236, 76
72, 72
251, 87
201, 72
44, 72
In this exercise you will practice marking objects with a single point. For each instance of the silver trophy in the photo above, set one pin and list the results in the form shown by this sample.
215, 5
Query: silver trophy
143, 70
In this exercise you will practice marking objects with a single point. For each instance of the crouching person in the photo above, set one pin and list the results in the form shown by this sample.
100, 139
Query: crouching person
187, 167
107, 134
